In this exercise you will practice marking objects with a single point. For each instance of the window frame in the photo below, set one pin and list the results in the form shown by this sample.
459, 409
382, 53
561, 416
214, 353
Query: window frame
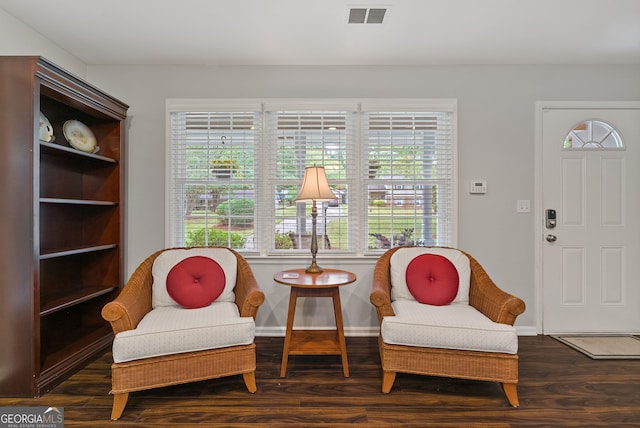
357, 195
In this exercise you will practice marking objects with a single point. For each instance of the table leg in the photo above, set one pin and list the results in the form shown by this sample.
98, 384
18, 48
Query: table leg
337, 308
293, 297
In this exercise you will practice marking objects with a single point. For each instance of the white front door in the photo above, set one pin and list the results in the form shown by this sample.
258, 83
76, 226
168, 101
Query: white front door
590, 258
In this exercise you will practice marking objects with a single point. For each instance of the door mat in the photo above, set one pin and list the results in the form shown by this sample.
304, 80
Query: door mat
616, 347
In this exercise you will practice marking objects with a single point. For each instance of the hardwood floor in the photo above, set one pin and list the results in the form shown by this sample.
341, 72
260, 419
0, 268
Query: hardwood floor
559, 387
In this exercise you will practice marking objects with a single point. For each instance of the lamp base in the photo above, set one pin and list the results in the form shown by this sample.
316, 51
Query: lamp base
313, 268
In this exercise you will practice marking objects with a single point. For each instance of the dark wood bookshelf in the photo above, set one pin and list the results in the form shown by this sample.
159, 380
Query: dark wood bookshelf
61, 257
65, 300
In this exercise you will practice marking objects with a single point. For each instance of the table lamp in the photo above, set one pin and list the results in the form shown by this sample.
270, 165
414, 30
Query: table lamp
315, 187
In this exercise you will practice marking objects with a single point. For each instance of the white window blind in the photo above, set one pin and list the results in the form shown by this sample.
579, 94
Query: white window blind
409, 182
301, 138
212, 197
235, 168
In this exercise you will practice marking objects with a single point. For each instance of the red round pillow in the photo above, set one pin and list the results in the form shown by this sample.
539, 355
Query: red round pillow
432, 279
195, 282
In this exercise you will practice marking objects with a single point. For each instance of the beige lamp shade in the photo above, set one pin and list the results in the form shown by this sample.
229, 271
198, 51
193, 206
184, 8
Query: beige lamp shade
315, 186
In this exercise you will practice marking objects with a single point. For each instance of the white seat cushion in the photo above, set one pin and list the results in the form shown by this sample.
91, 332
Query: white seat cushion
455, 326
402, 257
168, 259
172, 330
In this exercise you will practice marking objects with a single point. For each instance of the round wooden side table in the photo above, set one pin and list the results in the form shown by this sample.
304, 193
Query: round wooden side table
314, 342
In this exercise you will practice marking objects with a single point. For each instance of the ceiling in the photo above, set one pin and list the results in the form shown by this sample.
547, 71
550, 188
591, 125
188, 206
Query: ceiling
317, 32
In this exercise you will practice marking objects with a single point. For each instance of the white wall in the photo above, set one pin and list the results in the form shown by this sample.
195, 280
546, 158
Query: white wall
17, 39
495, 136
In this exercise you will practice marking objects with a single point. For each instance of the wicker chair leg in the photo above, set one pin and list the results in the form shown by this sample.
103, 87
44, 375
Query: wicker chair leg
250, 381
512, 393
119, 401
387, 381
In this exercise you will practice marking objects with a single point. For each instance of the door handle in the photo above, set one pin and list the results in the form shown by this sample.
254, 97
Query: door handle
552, 238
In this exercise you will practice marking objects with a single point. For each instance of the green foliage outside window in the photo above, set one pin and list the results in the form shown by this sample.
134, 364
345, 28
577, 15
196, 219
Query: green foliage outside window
214, 237
283, 241
237, 211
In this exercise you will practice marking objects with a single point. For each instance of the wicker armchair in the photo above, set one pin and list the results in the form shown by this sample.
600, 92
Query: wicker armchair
135, 301
485, 297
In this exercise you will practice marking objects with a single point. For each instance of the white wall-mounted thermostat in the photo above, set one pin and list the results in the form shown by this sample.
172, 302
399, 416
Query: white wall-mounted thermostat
477, 187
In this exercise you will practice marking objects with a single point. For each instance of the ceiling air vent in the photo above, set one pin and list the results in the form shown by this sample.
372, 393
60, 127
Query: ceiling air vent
369, 16
357, 16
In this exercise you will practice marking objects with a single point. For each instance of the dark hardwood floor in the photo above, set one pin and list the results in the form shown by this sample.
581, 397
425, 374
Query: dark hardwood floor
559, 387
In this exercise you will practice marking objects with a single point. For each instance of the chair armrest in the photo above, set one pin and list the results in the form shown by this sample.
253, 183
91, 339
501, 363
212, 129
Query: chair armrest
488, 298
134, 301
249, 297
381, 289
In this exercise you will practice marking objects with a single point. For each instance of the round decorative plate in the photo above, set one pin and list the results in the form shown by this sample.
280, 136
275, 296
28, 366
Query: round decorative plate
46, 130
79, 136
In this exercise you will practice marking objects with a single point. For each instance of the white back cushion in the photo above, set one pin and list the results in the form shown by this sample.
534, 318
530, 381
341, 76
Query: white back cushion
402, 257
168, 259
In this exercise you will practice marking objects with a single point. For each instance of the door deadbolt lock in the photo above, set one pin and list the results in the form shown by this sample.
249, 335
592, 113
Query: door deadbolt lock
550, 219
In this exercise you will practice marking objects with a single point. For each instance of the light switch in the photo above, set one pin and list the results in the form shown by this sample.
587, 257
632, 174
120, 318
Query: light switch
523, 206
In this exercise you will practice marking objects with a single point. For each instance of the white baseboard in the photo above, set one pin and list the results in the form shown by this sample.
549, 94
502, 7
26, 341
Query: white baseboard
348, 331
365, 331
526, 330
270, 331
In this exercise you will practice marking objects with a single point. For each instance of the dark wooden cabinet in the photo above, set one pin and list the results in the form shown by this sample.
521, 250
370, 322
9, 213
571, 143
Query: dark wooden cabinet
61, 223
